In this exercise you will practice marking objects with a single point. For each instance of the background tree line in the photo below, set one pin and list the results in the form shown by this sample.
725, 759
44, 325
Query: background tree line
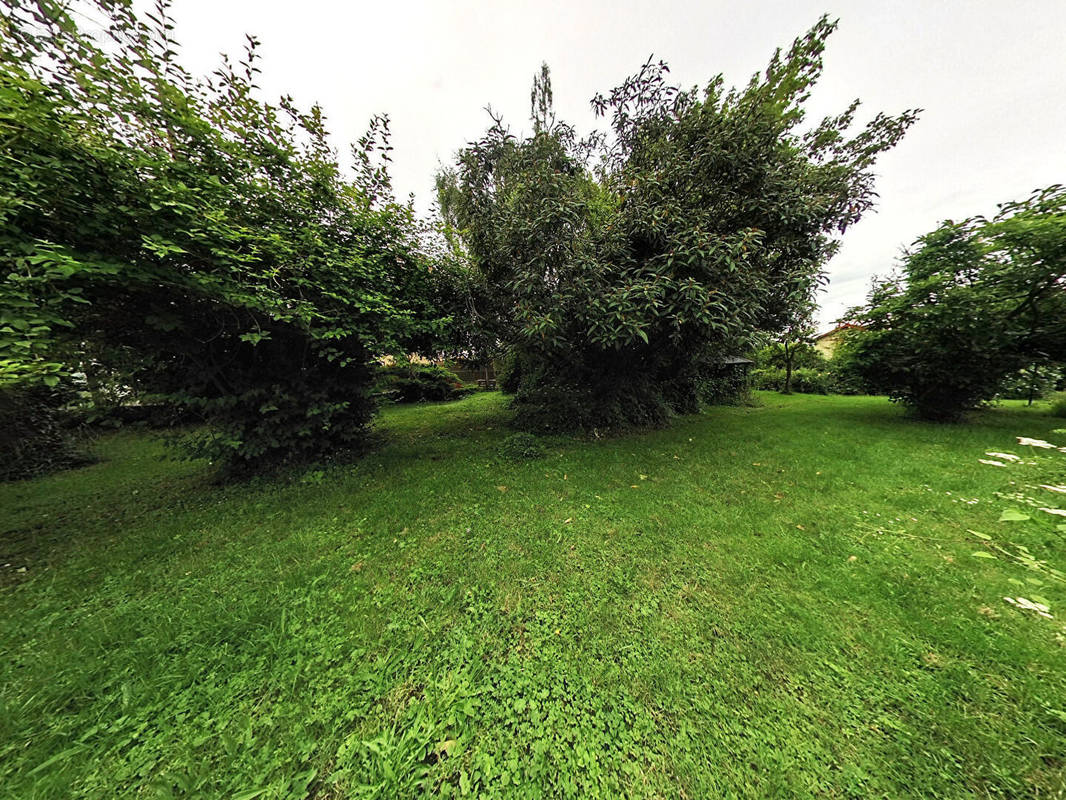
177, 240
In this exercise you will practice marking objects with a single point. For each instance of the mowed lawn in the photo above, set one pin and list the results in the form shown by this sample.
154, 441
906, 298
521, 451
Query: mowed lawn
771, 601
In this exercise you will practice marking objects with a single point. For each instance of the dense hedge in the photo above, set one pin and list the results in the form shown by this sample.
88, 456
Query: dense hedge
414, 383
804, 380
34, 438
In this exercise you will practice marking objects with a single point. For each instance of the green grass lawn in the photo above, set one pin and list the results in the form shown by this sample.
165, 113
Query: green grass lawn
778, 601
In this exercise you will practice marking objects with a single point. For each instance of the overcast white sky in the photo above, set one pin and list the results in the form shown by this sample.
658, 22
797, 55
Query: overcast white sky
990, 74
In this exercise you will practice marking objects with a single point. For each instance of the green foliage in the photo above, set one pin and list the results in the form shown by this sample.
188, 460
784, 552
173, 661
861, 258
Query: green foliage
576, 397
974, 303
806, 355
508, 372
521, 446
620, 267
725, 384
1058, 405
845, 376
207, 232
642, 617
793, 344
804, 380
416, 383
1034, 382
33, 436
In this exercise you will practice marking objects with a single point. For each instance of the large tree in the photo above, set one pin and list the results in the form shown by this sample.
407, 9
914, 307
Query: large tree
972, 303
624, 265
212, 235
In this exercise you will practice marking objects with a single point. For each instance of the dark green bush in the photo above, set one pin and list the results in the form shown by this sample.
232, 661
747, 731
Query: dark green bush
768, 379
804, 381
206, 234
1058, 405
508, 372
843, 380
33, 437
521, 446
1033, 382
811, 381
973, 303
559, 399
417, 383
727, 384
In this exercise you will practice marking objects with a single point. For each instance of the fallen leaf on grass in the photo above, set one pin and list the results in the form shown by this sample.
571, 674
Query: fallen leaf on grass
1013, 515
1030, 605
932, 660
446, 746
1025, 440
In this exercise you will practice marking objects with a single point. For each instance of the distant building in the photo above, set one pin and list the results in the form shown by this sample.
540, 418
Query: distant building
827, 343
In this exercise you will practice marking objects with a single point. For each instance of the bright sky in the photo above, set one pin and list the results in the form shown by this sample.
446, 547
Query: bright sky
990, 74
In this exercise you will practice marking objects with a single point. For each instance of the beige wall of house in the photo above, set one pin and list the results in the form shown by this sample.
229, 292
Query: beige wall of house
827, 343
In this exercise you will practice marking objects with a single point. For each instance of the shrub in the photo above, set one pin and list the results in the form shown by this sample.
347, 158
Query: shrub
1035, 382
805, 380
33, 437
728, 384
555, 398
1058, 405
521, 446
811, 381
508, 372
768, 379
416, 383
843, 378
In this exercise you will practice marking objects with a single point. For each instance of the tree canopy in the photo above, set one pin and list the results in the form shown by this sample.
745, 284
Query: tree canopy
147, 211
972, 303
622, 266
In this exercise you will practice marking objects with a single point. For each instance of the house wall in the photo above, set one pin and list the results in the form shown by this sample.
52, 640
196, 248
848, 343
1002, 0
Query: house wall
828, 344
